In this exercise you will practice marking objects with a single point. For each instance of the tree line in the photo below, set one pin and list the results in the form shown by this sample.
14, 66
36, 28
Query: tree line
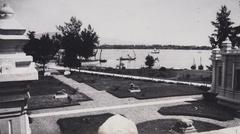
78, 44
158, 46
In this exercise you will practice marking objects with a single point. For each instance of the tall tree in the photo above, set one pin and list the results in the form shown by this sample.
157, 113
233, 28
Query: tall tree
89, 42
42, 50
31, 47
223, 25
76, 43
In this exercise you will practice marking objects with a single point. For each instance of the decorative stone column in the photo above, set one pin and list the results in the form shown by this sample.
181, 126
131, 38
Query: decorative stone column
216, 55
16, 70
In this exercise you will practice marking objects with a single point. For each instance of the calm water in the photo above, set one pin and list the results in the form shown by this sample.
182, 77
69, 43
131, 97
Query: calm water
178, 59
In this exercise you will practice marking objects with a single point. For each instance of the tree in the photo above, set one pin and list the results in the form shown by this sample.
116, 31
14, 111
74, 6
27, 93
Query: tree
71, 41
76, 43
223, 25
42, 50
90, 41
149, 61
31, 47
46, 50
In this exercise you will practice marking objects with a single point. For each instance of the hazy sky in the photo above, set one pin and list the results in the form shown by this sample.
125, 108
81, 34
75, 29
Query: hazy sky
183, 22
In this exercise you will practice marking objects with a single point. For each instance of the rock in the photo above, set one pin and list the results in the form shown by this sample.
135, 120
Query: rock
183, 126
67, 72
118, 124
47, 74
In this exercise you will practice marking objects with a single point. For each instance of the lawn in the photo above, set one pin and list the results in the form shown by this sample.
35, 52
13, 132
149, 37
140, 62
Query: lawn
202, 76
200, 108
43, 90
90, 125
162, 126
82, 125
120, 87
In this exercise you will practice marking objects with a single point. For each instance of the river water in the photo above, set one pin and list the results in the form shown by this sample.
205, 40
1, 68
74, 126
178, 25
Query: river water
177, 59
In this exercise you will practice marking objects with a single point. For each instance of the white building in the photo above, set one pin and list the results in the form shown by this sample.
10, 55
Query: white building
226, 74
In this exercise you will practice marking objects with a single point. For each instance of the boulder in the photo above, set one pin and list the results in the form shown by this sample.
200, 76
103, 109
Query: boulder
118, 124
183, 126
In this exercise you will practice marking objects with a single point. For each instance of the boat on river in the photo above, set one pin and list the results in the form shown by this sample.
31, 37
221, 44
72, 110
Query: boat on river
155, 51
128, 58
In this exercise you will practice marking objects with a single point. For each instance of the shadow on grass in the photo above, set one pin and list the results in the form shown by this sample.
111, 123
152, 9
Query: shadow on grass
200, 108
82, 125
162, 126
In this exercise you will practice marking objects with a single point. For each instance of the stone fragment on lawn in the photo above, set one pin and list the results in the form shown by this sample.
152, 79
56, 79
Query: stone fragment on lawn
183, 126
60, 94
134, 88
67, 73
47, 74
118, 124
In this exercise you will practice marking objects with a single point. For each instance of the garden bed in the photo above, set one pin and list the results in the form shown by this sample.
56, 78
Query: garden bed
200, 108
162, 126
43, 90
120, 87
90, 125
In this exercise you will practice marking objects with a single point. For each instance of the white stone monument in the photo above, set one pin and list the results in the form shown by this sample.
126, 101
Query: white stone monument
16, 70
118, 124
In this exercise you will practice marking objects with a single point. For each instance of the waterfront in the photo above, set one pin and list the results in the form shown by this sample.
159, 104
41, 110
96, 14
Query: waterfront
177, 59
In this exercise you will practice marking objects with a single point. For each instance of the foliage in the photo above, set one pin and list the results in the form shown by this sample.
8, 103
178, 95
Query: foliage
77, 43
42, 50
223, 25
89, 40
209, 68
149, 61
193, 67
200, 67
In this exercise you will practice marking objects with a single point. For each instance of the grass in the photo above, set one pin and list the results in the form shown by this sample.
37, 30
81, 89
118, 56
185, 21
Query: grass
82, 125
43, 90
165, 73
90, 125
162, 126
47, 85
120, 87
200, 108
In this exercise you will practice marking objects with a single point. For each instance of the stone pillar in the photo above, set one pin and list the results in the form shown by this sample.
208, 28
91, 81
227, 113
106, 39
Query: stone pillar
16, 70
216, 56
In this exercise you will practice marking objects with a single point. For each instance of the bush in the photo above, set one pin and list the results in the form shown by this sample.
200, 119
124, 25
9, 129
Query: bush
193, 67
163, 69
200, 67
149, 61
210, 96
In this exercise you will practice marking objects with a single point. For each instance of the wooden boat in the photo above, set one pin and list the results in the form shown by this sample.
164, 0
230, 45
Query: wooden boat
129, 58
155, 51
100, 58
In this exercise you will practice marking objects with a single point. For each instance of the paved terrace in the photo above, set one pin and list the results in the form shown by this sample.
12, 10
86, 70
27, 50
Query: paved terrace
104, 102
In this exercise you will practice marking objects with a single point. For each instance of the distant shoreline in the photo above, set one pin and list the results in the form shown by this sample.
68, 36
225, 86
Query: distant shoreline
175, 47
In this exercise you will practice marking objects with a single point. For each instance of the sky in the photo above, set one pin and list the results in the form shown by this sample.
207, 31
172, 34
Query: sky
180, 22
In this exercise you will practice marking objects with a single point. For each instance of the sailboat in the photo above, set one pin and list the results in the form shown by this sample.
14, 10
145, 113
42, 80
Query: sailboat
200, 67
100, 58
128, 57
